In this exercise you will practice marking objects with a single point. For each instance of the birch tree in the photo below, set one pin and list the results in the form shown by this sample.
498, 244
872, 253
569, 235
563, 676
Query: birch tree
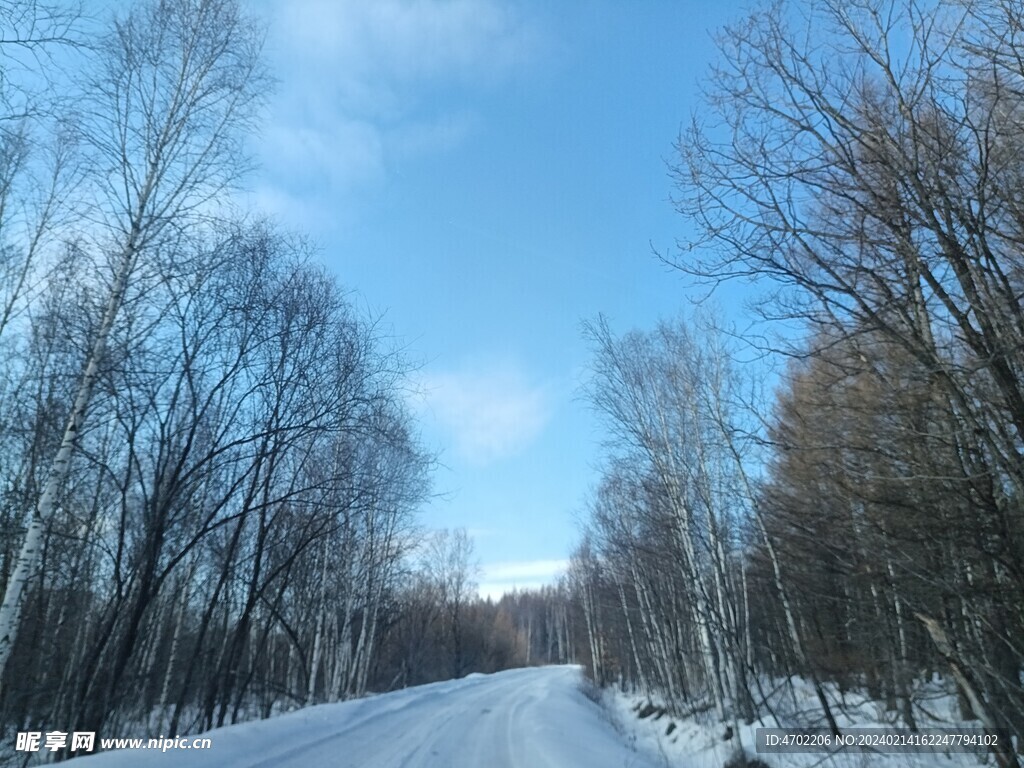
449, 562
659, 393
861, 159
173, 85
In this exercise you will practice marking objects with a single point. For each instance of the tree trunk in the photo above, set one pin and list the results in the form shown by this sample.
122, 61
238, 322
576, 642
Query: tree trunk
1003, 751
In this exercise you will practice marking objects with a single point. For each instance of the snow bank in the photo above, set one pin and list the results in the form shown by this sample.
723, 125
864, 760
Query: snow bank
698, 741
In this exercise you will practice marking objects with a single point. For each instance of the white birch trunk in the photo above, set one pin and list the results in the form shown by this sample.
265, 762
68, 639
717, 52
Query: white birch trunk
1005, 758
314, 664
699, 608
748, 643
529, 637
367, 657
318, 637
655, 637
165, 689
31, 550
631, 635
592, 634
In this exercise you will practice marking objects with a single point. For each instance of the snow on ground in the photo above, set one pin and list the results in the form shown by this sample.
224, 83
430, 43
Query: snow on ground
697, 742
521, 718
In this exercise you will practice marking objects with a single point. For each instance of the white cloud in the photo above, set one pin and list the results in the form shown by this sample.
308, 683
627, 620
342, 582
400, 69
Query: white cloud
490, 413
428, 136
359, 86
408, 40
305, 164
499, 578
525, 569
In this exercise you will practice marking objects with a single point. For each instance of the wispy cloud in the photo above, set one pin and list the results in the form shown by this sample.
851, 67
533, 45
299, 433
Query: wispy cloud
395, 42
525, 569
489, 412
499, 578
360, 83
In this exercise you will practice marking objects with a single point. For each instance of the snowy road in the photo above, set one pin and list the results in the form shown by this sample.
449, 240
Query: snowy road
524, 718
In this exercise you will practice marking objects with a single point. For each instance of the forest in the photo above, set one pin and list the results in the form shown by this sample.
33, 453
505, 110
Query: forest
210, 475
209, 471
853, 517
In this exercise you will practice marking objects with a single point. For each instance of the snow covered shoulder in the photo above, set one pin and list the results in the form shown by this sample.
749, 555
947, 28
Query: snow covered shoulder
521, 718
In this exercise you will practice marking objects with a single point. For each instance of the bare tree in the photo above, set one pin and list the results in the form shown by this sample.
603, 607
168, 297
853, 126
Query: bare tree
35, 41
861, 159
31, 24
449, 562
662, 396
174, 84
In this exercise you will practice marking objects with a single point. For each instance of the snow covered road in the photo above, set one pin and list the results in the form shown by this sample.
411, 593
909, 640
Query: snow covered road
522, 718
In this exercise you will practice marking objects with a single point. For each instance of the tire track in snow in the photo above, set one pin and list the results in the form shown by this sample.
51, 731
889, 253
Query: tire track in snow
524, 718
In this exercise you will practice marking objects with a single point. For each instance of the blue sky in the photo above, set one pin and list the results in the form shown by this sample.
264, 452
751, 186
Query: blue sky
485, 175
